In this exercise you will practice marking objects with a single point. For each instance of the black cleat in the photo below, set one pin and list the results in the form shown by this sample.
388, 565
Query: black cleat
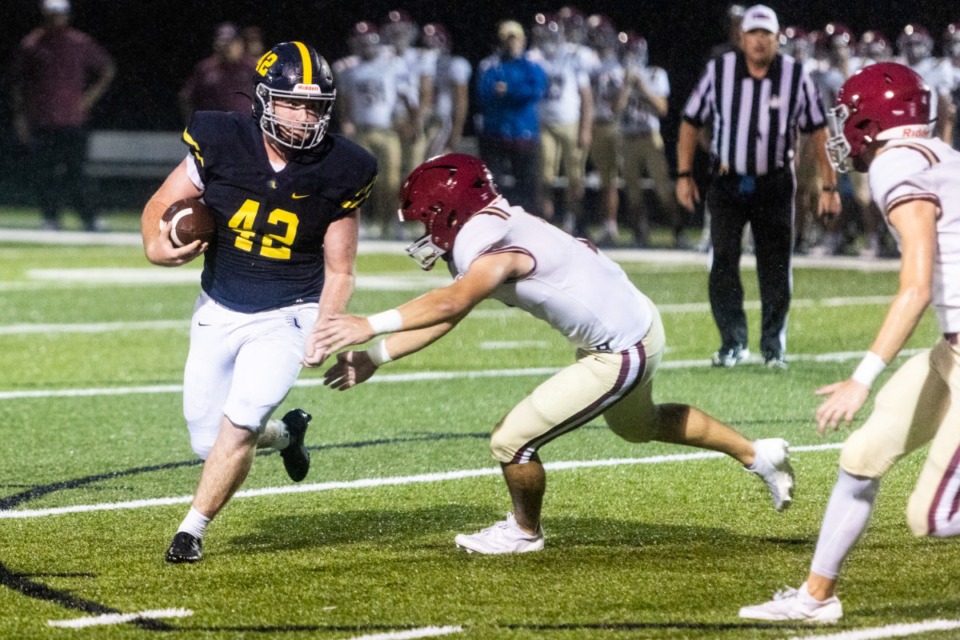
184, 548
296, 458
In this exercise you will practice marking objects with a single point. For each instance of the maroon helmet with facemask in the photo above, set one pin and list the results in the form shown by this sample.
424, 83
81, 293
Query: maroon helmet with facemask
882, 101
443, 193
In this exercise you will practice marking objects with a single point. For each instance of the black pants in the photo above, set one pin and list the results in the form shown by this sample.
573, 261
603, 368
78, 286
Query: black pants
57, 158
518, 159
767, 203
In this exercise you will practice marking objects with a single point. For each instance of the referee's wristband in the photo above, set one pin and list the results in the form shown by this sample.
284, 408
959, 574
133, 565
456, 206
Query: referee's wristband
869, 368
832, 189
378, 353
684, 174
386, 322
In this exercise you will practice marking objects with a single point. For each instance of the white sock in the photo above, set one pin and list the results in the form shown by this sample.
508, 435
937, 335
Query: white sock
274, 435
195, 523
847, 515
612, 228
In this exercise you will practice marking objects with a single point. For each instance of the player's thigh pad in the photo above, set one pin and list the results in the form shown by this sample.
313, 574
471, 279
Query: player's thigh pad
569, 399
268, 363
208, 373
906, 412
633, 417
932, 508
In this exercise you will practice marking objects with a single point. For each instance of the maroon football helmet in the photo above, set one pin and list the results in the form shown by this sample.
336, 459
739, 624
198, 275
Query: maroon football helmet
435, 36
882, 101
443, 193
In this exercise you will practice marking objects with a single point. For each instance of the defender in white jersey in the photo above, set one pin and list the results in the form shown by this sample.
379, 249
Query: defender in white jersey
499, 251
882, 123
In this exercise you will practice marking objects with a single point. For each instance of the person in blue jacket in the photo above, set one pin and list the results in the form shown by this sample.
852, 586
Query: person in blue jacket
509, 88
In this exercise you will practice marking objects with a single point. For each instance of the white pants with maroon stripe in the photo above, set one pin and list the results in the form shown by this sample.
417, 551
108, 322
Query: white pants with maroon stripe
617, 385
240, 365
919, 404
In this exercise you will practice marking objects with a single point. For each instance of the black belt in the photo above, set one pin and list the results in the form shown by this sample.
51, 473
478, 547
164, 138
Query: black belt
952, 338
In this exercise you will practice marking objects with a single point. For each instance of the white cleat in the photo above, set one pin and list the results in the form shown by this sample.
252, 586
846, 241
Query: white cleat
772, 464
505, 536
795, 604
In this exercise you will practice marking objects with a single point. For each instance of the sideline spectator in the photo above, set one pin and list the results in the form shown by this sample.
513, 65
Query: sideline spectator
451, 92
509, 87
368, 84
59, 73
220, 82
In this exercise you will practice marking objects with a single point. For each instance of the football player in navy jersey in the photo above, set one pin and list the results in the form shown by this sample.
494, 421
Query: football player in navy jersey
286, 196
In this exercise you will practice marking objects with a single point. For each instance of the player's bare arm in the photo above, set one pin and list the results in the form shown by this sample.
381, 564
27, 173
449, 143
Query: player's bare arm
687, 193
829, 202
339, 258
916, 223
157, 245
445, 305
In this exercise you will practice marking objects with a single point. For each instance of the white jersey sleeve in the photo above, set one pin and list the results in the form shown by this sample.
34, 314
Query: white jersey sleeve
573, 287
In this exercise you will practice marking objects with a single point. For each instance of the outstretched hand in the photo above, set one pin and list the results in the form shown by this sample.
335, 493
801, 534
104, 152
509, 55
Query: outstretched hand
334, 332
846, 398
351, 368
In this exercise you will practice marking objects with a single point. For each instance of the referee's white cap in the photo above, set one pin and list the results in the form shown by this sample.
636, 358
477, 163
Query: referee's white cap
760, 16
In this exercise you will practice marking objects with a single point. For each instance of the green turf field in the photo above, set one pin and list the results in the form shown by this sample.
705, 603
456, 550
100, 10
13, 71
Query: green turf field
97, 472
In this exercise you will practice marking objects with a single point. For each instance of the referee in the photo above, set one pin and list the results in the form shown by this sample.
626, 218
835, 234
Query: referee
756, 100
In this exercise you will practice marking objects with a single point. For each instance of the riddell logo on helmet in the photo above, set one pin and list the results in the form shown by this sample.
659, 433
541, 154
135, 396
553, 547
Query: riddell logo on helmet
308, 88
919, 132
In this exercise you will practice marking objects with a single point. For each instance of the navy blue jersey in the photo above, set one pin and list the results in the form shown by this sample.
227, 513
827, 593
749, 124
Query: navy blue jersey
270, 224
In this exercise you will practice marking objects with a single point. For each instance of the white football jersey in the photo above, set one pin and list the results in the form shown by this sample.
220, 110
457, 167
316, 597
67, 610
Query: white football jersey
577, 290
372, 88
565, 79
927, 169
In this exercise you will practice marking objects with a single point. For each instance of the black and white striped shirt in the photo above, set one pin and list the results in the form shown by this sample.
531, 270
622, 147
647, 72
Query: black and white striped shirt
755, 122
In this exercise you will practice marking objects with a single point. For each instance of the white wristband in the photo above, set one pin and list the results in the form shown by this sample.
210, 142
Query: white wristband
868, 369
378, 353
386, 322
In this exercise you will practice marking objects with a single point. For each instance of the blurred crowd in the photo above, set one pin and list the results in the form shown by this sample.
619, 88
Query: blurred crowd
567, 112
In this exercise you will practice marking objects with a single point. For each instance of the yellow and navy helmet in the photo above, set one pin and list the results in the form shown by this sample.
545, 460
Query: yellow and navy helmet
295, 71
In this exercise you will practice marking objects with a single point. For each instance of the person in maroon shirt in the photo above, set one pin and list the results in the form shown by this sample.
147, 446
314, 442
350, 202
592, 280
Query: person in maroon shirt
59, 74
220, 82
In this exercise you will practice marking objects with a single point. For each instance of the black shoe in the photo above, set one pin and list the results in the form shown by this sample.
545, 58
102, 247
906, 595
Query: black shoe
184, 548
296, 458
730, 356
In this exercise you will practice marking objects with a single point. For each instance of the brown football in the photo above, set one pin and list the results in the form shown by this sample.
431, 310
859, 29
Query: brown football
192, 220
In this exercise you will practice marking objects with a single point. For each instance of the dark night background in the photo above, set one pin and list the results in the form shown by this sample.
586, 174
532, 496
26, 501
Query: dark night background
156, 44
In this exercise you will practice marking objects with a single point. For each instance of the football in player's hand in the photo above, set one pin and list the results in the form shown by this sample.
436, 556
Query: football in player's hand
191, 220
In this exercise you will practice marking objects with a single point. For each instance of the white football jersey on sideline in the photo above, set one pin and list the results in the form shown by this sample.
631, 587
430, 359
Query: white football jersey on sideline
926, 169
573, 287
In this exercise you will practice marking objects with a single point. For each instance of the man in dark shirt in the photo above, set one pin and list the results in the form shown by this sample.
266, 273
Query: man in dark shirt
757, 100
59, 74
220, 82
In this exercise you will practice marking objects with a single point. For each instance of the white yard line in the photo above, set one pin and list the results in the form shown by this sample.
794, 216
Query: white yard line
373, 483
420, 376
410, 634
119, 618
395, 283
889, 631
